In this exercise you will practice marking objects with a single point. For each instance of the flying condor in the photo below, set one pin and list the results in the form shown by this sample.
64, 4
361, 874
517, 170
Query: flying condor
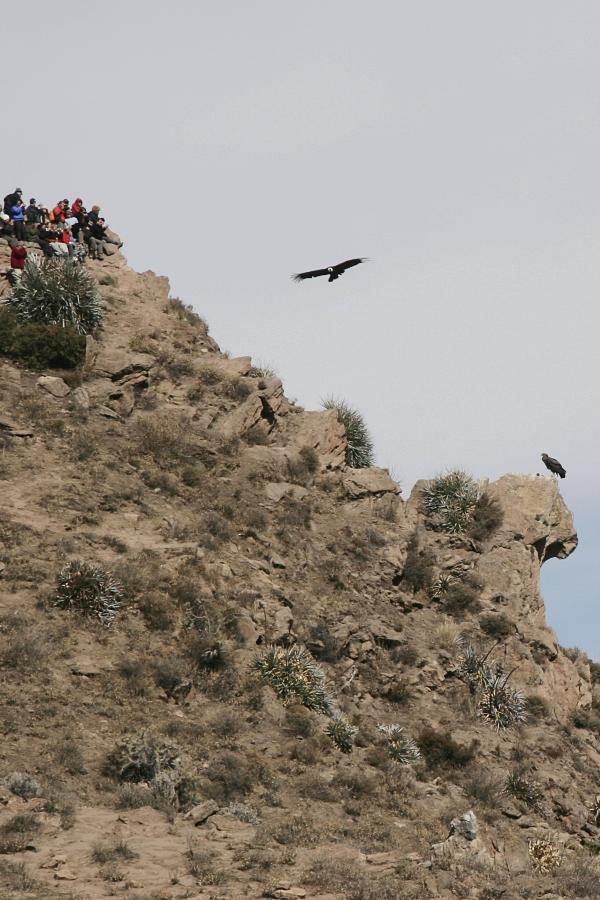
554, 465
333, 271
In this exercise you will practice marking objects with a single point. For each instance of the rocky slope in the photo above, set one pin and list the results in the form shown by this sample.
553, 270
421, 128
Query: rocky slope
233, 523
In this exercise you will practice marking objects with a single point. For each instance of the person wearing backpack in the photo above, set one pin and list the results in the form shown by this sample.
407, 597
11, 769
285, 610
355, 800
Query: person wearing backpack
11, 199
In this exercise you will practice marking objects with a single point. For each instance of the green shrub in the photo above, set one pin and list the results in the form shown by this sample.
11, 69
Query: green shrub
39, 346
487, 517
449, 501
359, 452
418, 568
294, 675
442, 752
58, 292
89, 590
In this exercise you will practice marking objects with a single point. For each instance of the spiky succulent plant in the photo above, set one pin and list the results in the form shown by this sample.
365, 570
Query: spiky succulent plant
359, 450
58, 292
545, 856
294, 675
441, 586
523, 788
449, 500
342, 733
403, 749
143, 758
90, 590
501, 705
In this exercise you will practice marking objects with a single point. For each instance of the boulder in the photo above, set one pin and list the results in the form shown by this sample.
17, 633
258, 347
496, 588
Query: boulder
324, 433
239, 365
80, 399
241, 419
116, 364
275, 491
369, 482
199, 814
465, 826
55, 386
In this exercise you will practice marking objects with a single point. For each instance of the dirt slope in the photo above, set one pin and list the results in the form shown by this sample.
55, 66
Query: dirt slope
233, 524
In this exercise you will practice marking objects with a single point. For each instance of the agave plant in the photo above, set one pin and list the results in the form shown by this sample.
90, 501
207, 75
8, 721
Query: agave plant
402, 749
58, 292
450, 500
294, 675
342, 733
501, 705
359, 449
89, 590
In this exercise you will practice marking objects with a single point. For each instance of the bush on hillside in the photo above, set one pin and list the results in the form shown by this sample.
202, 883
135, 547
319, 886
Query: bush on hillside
418, 568
57, 292
487, 517
441, 751
294, 675
89, 590
449, 501
39, 346
401, 748
141, 758
359, 452
341, 733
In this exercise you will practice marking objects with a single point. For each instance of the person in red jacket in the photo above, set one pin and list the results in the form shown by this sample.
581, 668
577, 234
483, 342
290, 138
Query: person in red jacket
59, 213
77, 205
18, 255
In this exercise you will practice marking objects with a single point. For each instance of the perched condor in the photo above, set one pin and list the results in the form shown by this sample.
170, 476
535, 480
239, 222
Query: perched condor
333, 271
554, 465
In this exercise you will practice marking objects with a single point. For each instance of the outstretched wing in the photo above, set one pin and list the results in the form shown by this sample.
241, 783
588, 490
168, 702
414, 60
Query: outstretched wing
314, 274
341, 267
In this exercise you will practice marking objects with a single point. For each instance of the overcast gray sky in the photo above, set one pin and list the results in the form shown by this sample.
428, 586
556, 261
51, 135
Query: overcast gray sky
455, 144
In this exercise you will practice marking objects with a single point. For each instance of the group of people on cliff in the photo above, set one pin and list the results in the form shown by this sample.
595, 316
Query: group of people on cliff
68, 229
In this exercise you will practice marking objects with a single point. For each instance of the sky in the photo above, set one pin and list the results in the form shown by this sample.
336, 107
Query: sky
454, 144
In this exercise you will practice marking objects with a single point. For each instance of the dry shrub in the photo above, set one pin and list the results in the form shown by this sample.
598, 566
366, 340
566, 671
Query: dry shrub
157, 611
164, 437
496, 626
486, 518
446, 635
463, 597
442, 752
353, 882
23, 647
233, 776
418, 568
295, 831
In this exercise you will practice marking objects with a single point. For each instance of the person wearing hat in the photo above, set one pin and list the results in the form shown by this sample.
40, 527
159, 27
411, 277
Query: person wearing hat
11, 199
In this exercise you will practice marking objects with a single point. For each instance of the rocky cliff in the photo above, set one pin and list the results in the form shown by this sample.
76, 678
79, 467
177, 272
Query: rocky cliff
161, 757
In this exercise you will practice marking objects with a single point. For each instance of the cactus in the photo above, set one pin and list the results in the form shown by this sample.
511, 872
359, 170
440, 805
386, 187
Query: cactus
58, 292
499, 704
90, 590
294, 675
142, 758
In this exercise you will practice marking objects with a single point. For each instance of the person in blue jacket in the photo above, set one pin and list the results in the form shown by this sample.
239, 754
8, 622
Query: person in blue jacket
17, 214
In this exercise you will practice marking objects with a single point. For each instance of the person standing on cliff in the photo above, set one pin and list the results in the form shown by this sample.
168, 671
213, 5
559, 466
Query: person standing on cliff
17, 214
